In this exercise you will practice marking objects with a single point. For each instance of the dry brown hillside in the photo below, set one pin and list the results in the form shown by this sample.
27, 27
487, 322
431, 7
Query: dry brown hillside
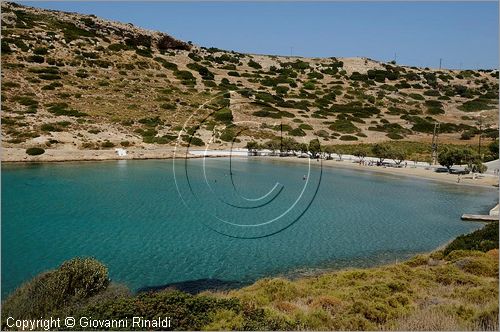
80, 82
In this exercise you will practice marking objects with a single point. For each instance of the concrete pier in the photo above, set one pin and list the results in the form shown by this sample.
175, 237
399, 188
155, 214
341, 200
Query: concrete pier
479, 217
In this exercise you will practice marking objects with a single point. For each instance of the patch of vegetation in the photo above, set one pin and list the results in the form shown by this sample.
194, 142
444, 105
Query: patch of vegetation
348, 138
63, 109
224, 115
483, 239
185, 76
475, 105
151, 122
34, 152
253, 64
202, 70
416, 96
344, 126
297, 132
107, 144
167, 42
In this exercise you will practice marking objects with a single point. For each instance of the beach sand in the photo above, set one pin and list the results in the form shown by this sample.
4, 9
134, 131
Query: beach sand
416, 172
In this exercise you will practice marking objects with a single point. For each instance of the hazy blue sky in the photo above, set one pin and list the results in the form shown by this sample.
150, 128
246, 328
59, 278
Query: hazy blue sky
463, 34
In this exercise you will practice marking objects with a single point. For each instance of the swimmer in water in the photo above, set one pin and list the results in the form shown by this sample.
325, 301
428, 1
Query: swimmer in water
304, 177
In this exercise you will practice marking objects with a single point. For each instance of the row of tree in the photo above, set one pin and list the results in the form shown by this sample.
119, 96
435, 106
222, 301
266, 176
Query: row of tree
289, 146
447, 157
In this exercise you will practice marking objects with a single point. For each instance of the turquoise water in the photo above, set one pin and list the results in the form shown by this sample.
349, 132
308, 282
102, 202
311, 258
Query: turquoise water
130, 215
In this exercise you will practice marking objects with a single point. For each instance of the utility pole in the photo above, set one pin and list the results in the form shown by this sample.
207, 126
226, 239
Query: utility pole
435, 136
440, 62
480, 123
291, 50
395, 57
281, 138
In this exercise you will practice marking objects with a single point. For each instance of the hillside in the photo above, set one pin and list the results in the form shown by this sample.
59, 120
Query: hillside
78, 82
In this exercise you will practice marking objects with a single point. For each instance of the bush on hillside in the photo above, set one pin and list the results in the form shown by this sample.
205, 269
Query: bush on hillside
35, 151
224, 115
483, 239
74, 281
254, 64
169, 43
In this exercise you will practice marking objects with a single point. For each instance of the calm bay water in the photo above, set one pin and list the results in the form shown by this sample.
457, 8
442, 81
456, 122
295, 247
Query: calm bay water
130, 216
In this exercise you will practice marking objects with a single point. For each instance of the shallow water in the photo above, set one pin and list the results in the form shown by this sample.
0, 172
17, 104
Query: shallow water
130, 215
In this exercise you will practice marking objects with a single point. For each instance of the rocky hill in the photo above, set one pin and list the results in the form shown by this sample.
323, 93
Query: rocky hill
72, 81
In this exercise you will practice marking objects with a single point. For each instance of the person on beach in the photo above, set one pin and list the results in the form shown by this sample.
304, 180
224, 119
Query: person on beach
458, 178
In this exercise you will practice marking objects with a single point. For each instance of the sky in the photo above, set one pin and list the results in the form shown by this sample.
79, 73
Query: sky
464, 35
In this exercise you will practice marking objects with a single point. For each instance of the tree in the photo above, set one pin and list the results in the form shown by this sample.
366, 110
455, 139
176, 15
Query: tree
272, 145
360, 153
329, 150
493, 147
303, 147
479, 167
467, 156
289, 144
252, 147
398, 155
314, 147
449, 157
381, 151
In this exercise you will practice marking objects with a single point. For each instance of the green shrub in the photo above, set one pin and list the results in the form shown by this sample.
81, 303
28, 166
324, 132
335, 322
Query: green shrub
483, 239
433, 93
168, 106
117, 47
36, 59
107, 144
358, 77
167, 42
253, 64
44, 70
25, 100
49, 77
197, 141
393, 135
52, 86
309, 85
297, 132
49, 127
185, 76
63, 109
348, 138
35, 151
416, 96
224, 115
75, 280
227, 135
476, 105
343, 126
203, 71
305, 126
151, 122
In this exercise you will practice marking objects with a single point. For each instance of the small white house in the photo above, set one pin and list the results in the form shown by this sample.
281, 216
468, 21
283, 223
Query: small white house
121, 152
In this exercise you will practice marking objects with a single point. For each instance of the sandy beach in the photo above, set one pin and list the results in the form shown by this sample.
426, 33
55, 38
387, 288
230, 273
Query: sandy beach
15, 155
417, 172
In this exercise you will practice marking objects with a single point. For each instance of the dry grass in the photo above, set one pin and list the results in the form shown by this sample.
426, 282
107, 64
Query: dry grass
439, 293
